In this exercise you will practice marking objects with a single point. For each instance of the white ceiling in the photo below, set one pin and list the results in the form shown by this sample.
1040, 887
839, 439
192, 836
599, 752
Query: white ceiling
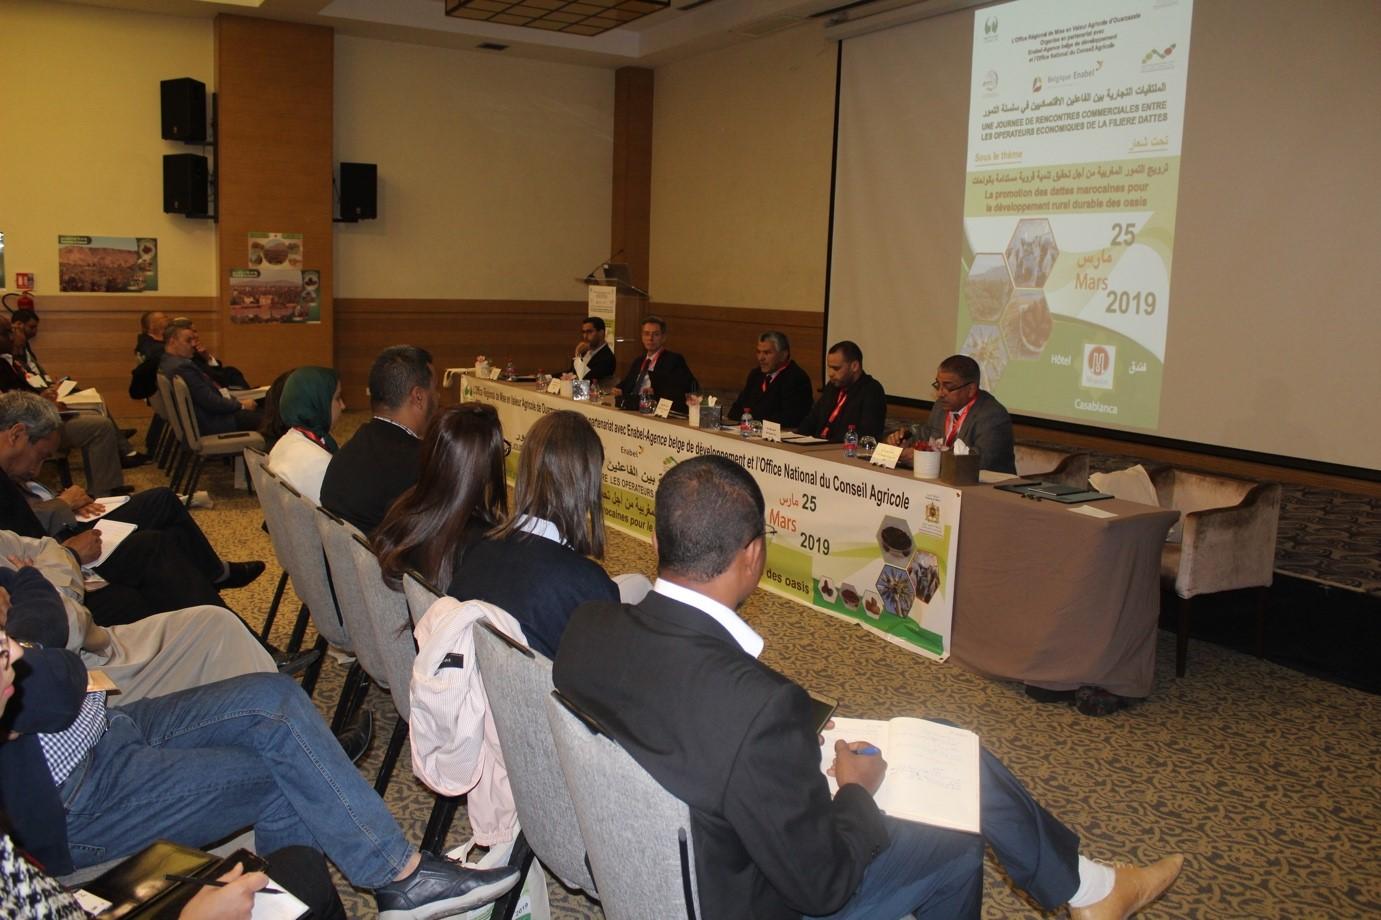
687, 27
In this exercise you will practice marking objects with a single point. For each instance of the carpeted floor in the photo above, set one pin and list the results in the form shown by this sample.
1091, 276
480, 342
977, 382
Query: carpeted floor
1264, 777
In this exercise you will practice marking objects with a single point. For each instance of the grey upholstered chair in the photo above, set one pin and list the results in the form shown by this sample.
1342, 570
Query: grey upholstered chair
1069, 468
200, 446
637, 835
256, 462
1226, 541
517, 683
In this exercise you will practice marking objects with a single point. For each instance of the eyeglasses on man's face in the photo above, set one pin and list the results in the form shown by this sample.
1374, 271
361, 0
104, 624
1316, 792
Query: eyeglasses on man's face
948, 387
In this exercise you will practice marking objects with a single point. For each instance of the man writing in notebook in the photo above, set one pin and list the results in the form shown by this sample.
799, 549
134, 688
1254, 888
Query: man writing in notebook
675, 680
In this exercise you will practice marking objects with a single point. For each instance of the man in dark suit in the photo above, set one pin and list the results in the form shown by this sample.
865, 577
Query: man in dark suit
660, 372
850, 398
963, 412
594, 359
777, 390
381, 461
217, 412
675, 680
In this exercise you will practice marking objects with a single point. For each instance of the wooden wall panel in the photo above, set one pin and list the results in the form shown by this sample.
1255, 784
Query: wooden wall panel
274, 81
535, 334
631, 209
90, 337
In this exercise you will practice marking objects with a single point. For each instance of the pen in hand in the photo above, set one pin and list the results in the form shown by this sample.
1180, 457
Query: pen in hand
868, 751
212, 882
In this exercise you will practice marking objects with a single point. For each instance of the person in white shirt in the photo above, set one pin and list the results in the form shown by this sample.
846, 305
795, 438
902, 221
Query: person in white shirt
594, 359
310, 405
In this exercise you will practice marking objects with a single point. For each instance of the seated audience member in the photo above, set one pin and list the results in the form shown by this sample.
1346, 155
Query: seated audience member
25, 892
105, 451
217, 412
676, 682
850, 398
534, 565
460, 493
310, 405
966, 413
380, 462
777, 390
148, 346
81, 785
167, 563
661, 373
25, 327
594, 359
159, 654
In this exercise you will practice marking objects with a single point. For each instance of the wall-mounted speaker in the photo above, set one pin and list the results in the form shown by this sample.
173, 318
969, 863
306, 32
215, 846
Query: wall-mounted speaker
359, 191
184, 110
185, 183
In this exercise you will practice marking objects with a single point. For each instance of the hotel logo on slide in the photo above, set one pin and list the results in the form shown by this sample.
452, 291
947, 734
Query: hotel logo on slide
990, 29
1098, 366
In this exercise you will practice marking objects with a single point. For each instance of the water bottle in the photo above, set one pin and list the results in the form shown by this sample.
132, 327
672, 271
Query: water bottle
745, 425
851, 442
508, 372
540, 383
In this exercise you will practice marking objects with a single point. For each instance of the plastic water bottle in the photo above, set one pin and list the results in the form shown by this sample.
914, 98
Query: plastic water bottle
540, 384
851, 442
745, 425
508, 372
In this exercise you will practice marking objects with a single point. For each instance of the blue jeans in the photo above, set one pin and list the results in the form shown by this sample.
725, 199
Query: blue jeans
197, 766
934, 872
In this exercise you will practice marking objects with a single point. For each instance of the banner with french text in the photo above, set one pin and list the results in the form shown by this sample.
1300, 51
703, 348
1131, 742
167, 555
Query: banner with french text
1076, 112
845, 538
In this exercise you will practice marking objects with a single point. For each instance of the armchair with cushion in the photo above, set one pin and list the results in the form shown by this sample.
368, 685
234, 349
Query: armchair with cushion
1052, 465
1226, 541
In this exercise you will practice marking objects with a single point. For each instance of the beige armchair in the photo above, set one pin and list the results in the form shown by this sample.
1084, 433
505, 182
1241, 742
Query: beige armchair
1046, 463
1225, 541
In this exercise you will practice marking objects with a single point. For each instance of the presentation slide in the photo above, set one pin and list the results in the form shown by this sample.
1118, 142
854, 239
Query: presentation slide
1076, 112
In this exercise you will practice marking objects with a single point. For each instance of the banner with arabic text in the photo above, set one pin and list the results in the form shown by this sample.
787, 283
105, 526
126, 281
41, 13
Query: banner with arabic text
851, 540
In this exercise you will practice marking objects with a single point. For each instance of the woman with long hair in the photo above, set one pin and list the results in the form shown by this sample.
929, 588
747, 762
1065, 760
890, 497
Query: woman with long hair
460, 494
310, 405
534, 565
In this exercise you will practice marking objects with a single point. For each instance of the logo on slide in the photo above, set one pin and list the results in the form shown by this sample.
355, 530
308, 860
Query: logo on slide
990, 27
1158, 59
1098, 366
990, 81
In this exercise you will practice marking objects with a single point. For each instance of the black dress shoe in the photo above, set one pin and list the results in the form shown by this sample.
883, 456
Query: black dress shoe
130, 461
239, 574
354, 741
442, 888
290, 663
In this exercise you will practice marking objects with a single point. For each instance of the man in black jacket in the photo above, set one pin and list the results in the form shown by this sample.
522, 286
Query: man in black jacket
850, 398
594, 359
217, 412
777, 390
381, 461
661, 373
675, 680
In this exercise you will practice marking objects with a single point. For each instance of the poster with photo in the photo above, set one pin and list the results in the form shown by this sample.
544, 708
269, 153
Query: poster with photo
107, 264
275, 296
275, 250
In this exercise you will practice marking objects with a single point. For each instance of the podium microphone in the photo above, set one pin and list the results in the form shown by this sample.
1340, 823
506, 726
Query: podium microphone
603, 264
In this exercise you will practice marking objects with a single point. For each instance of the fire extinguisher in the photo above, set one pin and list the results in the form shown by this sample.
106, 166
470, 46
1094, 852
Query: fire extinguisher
23, 300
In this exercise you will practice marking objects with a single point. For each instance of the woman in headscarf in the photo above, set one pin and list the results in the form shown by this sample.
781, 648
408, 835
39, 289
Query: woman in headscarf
310, 404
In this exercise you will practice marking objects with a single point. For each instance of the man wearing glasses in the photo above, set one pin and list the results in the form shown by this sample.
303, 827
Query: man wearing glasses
963, 412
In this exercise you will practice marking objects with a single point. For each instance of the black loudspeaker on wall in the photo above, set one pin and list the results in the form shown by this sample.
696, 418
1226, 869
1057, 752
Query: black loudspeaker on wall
359, 191
184, 110
185, 180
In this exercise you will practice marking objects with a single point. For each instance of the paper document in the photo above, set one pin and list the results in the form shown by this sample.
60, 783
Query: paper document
255, 393
932, 769
112, 533
803, 439
283, 906
1092, 511
65, 387
108, 504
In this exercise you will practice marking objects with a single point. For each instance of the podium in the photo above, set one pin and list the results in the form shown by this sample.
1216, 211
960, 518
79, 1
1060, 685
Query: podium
612, 296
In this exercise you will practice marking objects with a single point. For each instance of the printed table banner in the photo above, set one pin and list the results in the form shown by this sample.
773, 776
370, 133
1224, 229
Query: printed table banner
858, 542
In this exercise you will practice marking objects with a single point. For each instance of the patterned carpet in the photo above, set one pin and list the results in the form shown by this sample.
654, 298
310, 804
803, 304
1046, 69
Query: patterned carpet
1264, 777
